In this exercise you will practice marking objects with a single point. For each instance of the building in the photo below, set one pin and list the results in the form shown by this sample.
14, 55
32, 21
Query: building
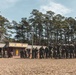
15, 48
2, 46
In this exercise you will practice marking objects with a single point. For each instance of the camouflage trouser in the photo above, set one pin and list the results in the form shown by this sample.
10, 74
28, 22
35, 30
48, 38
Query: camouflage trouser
58, 54
71, 55
67, 54
41, 55
55, 54
63, 55
74, 54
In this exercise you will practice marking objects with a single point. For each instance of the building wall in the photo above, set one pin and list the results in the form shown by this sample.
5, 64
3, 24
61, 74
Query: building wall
16, 51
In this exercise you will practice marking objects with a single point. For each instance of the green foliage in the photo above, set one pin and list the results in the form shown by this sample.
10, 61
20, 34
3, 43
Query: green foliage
4, 23
20, 30
46, 28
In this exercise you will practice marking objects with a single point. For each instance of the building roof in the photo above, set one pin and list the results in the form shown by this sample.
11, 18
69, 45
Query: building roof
2, 45
34, 46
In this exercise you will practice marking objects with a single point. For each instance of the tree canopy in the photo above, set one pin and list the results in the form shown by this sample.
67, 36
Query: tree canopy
46, 28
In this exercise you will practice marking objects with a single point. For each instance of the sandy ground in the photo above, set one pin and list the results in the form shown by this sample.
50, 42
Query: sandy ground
14, 66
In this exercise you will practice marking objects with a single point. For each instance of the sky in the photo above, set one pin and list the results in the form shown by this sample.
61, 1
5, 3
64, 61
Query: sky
17, 9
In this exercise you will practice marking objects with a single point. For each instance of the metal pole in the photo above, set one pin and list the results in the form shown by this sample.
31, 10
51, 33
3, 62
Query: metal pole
32, 40
32, 47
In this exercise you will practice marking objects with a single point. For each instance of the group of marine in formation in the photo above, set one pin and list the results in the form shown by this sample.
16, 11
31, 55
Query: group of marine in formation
52, 51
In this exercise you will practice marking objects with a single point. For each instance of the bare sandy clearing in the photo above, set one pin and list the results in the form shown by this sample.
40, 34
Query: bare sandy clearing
13, 66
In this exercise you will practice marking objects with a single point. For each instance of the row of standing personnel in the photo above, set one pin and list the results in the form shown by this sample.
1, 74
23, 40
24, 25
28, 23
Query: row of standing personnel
56, 51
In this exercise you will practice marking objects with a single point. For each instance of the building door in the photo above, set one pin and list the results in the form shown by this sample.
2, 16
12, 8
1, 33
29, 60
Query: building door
17, 52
